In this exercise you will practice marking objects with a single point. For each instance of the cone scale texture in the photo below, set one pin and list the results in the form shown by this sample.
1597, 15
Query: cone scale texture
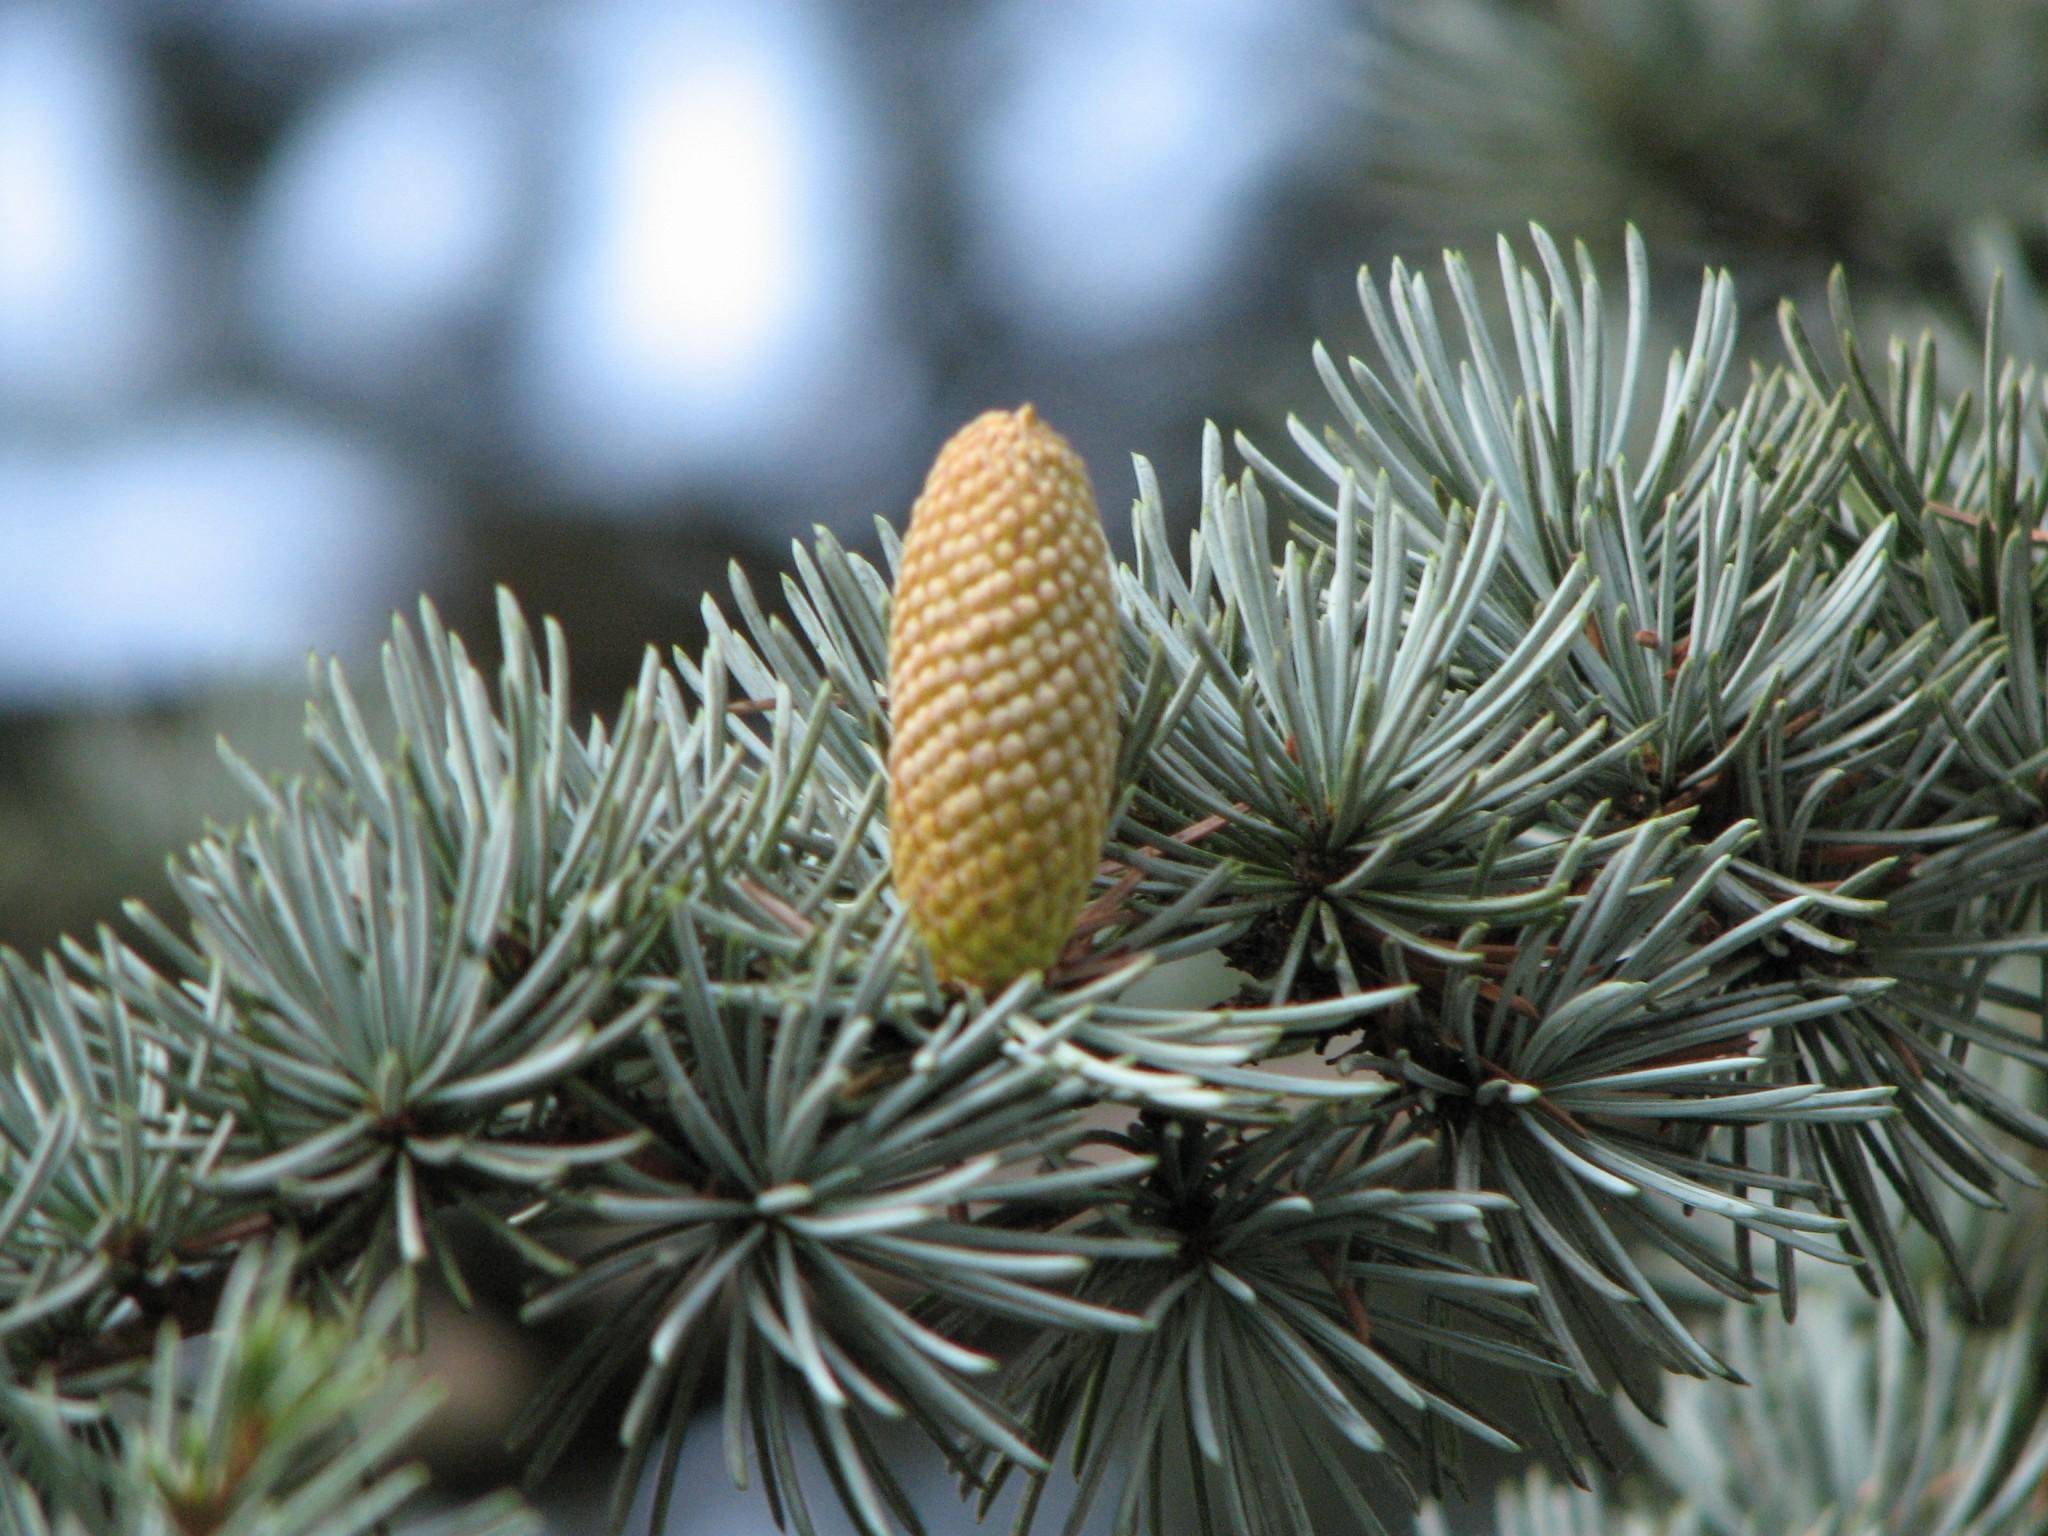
1002, 682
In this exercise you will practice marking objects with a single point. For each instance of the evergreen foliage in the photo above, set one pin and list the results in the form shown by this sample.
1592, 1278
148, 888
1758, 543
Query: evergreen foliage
1901, 139
1619, 792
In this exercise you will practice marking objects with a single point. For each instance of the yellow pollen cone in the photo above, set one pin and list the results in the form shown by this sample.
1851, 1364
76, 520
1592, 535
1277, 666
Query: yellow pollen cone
1002, 700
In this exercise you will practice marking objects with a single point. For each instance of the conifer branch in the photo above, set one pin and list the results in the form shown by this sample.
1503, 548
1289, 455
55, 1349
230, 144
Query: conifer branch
1622, 796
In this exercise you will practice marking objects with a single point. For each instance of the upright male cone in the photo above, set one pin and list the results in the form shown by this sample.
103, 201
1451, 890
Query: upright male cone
1002, 700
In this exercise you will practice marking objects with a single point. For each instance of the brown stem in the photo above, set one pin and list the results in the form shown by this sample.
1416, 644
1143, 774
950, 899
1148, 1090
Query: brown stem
1345, 1292
1976, 520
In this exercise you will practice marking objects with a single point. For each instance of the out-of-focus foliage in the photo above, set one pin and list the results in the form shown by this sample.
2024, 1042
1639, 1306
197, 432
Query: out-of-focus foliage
1894, 137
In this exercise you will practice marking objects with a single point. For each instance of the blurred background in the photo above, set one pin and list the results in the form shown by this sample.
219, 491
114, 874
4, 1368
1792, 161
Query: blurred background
309, 307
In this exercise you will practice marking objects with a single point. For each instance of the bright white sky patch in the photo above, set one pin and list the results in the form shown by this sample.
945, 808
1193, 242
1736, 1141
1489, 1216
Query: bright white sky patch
230, 537
713, 293
90, 244
1116, 148
383, 224
710, 178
